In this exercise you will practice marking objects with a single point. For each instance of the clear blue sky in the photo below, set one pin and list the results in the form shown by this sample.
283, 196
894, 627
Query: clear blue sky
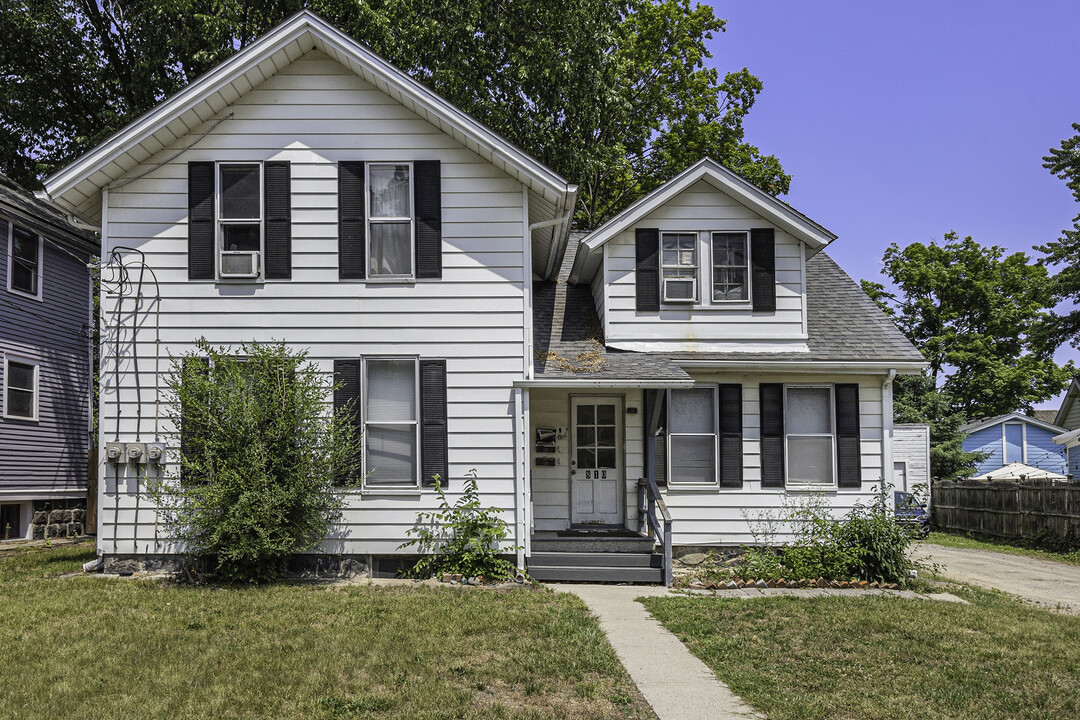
902, 121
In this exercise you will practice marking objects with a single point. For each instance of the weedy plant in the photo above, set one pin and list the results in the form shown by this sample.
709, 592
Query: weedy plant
262, 461
462, 538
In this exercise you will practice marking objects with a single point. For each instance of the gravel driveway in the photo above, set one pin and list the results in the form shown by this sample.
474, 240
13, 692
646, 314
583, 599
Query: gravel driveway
1050, 584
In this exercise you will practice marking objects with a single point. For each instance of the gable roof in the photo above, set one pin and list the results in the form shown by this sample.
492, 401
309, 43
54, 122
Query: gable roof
775, 211
44, 218
1067, 403
76, 186
982, 423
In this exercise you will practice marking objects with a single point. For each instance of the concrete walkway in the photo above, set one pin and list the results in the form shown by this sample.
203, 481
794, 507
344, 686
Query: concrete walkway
1046, 583
676, 684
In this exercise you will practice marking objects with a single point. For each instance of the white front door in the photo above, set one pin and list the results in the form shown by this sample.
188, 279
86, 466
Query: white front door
596, 460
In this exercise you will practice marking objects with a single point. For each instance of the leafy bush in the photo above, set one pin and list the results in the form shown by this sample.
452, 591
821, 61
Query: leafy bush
260, 457
462, 538
866, 544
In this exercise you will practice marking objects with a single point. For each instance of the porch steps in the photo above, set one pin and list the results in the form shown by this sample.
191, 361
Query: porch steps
617, 556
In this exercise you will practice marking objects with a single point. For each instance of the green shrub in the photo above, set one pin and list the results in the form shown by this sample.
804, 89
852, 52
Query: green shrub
462, 538
260, 457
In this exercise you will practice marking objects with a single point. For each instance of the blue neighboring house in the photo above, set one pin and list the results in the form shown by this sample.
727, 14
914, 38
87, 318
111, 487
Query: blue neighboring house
45, 367
1016, 438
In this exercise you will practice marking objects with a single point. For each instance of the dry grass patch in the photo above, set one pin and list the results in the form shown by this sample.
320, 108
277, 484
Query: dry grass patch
113, 648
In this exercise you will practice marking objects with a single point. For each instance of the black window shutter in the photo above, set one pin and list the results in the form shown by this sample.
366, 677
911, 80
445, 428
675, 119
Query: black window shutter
659, 437
352, 253
433, 439
730, 425
188, 430
427, 202
277, 197
763, 263
647, 276
848, 451
771, 409
347, 396
201, 221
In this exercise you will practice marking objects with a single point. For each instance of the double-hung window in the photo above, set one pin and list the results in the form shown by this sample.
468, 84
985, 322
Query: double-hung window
20, 389
391, 427
679, 267
810, 437
692, 435
730, 267
24, 261
240, 221
390, 221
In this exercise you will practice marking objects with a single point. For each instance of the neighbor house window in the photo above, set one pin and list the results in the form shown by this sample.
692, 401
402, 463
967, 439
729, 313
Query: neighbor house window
679, 266
1014, 442
390, 221
691, 447
20, 389
809, 425
240, 221
391, 430
730, 269
24, 266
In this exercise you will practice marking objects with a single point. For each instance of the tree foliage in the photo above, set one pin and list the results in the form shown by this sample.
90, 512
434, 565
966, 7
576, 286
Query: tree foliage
980, 318
616, 96
917, 400
1064, 162
260, 458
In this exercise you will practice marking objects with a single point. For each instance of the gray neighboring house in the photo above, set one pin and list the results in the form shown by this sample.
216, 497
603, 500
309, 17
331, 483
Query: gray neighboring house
45, 367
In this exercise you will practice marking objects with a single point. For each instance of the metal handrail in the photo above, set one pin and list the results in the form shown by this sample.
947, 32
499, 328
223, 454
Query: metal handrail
649, 500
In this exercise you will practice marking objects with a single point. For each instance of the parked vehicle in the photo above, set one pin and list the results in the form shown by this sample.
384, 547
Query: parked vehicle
912, 514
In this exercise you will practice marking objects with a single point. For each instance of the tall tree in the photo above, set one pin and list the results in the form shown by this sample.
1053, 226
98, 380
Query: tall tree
980, 319
616, 96
1064, 162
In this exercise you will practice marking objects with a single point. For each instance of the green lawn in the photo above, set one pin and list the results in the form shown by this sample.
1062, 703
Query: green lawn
963, 541
861, 658
86, 647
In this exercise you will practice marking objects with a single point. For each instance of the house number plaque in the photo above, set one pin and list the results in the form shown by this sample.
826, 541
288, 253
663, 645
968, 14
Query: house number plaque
596, 474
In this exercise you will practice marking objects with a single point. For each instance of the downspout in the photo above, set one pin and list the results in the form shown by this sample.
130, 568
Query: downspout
887, 427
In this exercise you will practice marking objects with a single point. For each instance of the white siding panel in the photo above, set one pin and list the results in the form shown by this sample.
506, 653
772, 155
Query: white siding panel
314, 113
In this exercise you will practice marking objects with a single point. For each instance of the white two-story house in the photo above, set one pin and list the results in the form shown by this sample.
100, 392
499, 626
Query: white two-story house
700, 352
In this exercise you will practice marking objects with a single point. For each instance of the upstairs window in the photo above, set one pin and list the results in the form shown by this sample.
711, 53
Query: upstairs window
730, 267
679, 267
24, 261
240, 226
21, 390
1014, 442
390, 221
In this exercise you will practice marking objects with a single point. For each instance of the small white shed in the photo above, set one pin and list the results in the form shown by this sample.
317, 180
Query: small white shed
911, 456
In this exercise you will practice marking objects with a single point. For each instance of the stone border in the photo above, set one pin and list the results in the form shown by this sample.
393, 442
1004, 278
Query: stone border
755, 592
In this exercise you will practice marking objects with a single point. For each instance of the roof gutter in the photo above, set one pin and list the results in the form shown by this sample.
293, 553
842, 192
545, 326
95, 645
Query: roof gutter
586, 383
809, 366
560, 230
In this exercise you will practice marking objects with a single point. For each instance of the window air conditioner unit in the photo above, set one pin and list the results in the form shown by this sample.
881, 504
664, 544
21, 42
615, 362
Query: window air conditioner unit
680, 289
239, 264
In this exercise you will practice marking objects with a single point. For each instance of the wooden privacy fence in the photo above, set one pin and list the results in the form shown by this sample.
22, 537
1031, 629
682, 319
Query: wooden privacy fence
1007, 509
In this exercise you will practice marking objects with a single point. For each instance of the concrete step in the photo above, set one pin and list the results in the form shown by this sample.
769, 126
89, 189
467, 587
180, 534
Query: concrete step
598, 544
596, 560
550, 573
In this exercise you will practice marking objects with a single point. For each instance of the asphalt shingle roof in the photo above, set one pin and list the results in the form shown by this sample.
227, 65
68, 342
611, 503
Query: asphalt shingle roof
26, 204
843, 325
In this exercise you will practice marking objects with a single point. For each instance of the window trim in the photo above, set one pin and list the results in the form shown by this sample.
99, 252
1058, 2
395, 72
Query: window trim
415, 485
368, 220
1005, 441
8, 359
715, 435
219, 222
38, 271
712, 267
833, 483
696, 299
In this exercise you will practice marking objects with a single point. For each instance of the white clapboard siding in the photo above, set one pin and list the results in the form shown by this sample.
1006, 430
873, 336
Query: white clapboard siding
714, 516
700, 208
911, 446
315, 113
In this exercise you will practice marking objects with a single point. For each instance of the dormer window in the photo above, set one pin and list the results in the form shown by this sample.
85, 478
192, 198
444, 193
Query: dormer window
679, 267
730, 267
